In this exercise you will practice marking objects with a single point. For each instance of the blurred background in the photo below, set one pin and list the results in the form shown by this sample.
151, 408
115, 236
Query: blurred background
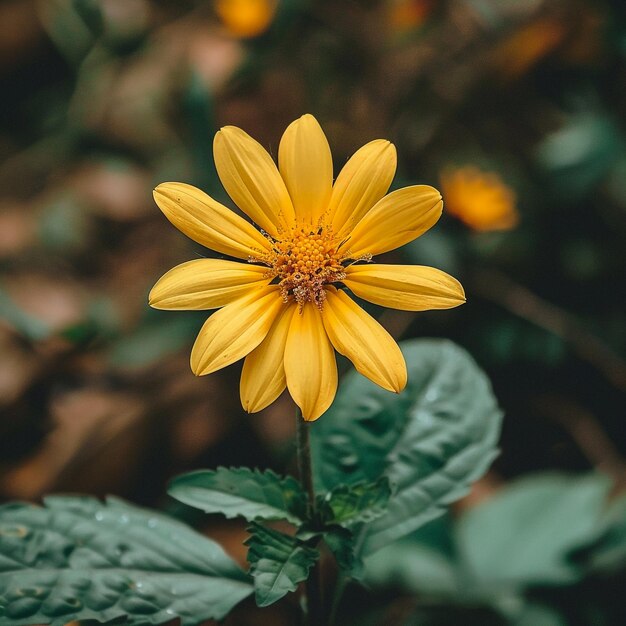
515, 109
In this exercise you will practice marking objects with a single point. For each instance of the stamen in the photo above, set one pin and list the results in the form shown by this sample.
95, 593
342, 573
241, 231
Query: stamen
304, 262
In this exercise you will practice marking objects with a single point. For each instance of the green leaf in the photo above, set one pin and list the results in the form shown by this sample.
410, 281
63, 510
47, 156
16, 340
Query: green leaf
343, 544
533, 614
349, 504
431, 441
152, 342
415, 568
199, 105
608, 552
278, 563
581, 153
27, 325
90, 12
436, 248
78, 559
524, 534
242, 492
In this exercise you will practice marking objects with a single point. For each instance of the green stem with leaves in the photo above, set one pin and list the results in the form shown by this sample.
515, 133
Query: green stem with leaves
313, 587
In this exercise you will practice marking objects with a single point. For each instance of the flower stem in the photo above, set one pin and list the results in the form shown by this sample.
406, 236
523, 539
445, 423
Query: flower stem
305, 468
313, 587
340, 587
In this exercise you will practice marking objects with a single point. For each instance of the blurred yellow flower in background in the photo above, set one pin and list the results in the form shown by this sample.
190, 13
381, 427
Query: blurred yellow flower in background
481, 200
284, 310
246, 18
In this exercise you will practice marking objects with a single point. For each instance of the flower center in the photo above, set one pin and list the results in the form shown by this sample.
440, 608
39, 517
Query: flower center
303, 263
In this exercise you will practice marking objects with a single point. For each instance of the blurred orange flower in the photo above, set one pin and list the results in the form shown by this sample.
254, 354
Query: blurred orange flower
246, 18
481, 200
528, 45
409, 14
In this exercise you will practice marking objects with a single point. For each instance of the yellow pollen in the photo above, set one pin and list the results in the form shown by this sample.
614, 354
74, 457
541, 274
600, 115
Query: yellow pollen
303, 263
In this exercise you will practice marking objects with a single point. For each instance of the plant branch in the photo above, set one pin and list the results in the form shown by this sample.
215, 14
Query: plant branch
305, 467
340, 587
499, 288
588, 434
313, 587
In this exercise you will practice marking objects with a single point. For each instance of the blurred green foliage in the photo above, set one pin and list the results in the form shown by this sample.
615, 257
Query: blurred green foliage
519, 553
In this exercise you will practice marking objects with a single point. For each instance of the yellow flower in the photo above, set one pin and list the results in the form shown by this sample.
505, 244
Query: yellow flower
246, 18
284, 309
481, 200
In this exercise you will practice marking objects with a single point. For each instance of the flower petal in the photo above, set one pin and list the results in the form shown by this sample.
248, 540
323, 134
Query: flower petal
398, 218
310, 365
362, 182
252, 180
263, 375
406, 287
358, 336
306, 165
235, 330
208, 222
206, 284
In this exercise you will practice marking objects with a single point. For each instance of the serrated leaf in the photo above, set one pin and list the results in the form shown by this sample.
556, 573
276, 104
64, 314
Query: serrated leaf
431, 441
78, 559
242, 492
278, 562
525, 533
343, 544
363, 502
